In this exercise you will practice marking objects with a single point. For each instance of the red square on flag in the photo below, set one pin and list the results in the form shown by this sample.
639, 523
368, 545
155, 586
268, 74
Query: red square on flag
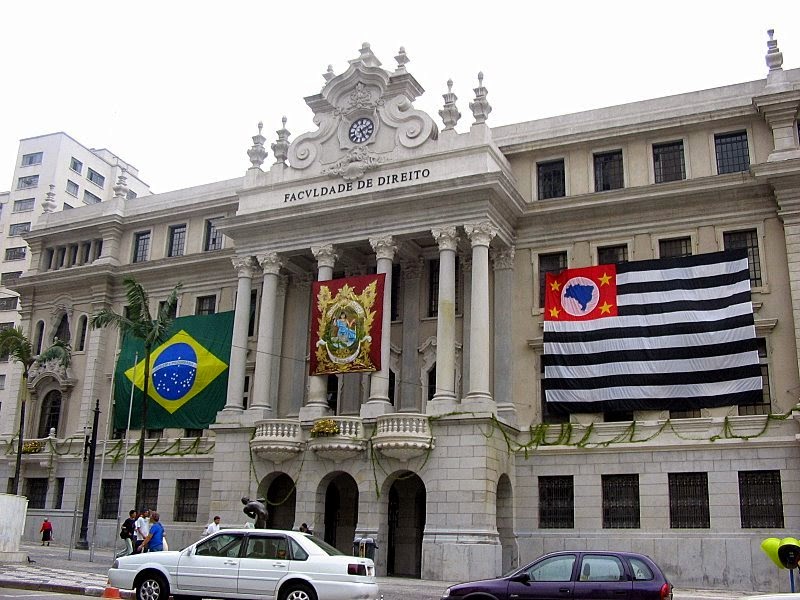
581, 294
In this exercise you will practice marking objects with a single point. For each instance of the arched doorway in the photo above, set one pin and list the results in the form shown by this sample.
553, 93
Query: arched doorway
406, 512
505, 524
341, 512
281, 497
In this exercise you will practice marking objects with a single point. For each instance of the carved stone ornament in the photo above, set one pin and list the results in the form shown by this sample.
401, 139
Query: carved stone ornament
51, 367
480, 234
354, 164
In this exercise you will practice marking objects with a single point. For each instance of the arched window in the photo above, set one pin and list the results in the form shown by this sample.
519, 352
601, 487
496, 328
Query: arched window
38, 337
50, 413
82, 333
62, 332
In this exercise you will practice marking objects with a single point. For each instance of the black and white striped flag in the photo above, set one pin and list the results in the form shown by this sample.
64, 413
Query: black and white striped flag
672, 333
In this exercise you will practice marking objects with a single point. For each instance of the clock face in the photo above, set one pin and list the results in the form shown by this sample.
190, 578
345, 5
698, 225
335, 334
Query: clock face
361, 130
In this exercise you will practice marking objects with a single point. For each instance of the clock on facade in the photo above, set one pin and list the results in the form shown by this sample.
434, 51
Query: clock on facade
361, 130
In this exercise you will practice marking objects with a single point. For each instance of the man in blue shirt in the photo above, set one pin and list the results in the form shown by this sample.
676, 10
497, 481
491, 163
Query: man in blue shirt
154, 542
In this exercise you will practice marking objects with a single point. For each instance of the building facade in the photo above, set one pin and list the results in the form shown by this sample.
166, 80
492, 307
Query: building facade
448, 455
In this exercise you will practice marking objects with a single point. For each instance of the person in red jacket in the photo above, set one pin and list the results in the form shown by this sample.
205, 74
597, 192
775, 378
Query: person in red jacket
47, 532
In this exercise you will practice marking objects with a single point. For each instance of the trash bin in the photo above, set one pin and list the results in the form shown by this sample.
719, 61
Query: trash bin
364, 547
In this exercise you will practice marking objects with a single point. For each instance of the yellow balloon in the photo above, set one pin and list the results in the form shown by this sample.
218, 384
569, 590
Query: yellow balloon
770, 547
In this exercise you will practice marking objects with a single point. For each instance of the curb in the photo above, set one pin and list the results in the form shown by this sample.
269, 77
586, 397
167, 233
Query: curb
61, 588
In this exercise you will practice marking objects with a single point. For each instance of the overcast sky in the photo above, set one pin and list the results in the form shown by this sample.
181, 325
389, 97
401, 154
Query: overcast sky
177, 88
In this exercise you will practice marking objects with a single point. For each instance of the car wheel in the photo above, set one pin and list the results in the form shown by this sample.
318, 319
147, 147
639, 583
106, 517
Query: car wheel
152, 587
298, 591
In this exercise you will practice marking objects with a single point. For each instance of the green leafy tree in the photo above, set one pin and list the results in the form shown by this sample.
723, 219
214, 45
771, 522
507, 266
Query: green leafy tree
139, 323
18, 347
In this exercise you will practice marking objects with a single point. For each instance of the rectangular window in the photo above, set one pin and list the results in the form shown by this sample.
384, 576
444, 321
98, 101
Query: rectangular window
76, 165
206, 305
251, 322
620, 501
16, 253
668, 162
90, 198
675, 247
554, 262
556, 502
395, 301
213, 238
433, 287
24, 183
551, 178
732, 152
31, 159
10, 278
95, 178
9, 303
72, 188
36, 490
172, 313
765, 406
548, 414
761, 499
19, 228
747, 238
24, 205
109, 498
155, 434
177, 240
612, 255
131, 195
58, 497
2, 381
186, 493
608, 171
688, 501
141, 246
192, 433
4, 357
150, 493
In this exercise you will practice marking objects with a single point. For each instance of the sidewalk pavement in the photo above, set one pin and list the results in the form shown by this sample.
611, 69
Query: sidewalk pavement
50, 569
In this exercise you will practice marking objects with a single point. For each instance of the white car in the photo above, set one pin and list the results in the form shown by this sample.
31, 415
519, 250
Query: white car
248, 563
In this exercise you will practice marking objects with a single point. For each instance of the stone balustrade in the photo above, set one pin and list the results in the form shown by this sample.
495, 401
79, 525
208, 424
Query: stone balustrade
403, 435
277, 439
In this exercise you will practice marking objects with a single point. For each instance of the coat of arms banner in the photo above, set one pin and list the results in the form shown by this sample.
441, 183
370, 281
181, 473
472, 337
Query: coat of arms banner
346, 323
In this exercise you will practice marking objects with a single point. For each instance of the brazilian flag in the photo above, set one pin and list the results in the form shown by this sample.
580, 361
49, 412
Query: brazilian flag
188, 375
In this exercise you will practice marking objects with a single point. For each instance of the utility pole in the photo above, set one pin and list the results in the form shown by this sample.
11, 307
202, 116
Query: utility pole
83, 543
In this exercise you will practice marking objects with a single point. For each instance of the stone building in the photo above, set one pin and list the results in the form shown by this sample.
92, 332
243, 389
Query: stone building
447, 456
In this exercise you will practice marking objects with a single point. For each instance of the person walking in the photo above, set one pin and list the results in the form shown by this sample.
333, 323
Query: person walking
142, 528
154, 542
212, 527
47, 531
128, 532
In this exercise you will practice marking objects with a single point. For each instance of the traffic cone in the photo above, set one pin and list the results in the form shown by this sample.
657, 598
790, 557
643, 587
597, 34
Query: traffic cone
111, 592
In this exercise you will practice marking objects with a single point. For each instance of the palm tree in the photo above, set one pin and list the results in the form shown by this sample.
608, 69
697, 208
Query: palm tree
18, 347
140, 324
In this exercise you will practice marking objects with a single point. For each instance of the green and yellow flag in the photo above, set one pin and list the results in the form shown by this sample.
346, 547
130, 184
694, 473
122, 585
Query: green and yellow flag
188, 375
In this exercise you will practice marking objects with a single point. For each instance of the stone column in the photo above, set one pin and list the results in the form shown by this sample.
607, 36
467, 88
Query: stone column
262, 377
465, 266
378, 403
410, 397
301, 309
244, 266
479, 396
503, 326
277, 344
444, 399
317, 405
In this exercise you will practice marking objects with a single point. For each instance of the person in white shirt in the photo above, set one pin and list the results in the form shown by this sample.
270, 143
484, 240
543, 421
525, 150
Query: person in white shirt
142, 527
212, 527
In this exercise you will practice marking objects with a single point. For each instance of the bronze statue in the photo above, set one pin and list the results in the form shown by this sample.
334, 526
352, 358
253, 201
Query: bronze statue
256, 509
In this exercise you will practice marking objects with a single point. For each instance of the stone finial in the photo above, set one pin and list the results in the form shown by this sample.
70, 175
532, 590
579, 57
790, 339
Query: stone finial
366, 57
402, 60
121, 187
450, 114
49, 204
480, 107
280, 149
329, 74
774, 56
258, 153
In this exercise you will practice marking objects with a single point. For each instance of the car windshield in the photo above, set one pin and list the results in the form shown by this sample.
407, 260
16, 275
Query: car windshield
327, 548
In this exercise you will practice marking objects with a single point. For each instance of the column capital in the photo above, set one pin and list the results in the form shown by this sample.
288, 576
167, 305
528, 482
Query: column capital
325, 255
270, 263
503, 258
480, 234
244, 265
384, 247
446, 237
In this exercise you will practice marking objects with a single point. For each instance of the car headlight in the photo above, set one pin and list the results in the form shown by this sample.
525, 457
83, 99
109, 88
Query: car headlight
446, 593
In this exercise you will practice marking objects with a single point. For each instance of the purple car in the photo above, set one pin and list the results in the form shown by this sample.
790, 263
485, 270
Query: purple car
574, 575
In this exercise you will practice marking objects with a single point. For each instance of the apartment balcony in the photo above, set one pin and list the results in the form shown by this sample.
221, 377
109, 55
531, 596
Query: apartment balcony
337, 438
403, 435
277, 440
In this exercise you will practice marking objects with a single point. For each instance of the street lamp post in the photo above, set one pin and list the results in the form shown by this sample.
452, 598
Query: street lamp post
83, 543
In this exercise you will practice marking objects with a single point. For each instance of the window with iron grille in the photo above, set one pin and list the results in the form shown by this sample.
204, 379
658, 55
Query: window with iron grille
675, 247
747, 238
16, 253
691, 413
177, 240
36, 490
109, 498
31, 159
433, 286
186, 494
688, 501
765, 406
9, 303
150, 493
549, 263
551, 179
556, 502
760, 499
213, 240
75, 165
141, 246
19, 228
206, 305
668, 162
24, 205
608, 171
611, 255
30, 181
732, 152
95, 178
58, 496
621, 502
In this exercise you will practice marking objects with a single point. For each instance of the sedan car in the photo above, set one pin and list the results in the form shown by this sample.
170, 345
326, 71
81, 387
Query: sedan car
579, 575
248, 563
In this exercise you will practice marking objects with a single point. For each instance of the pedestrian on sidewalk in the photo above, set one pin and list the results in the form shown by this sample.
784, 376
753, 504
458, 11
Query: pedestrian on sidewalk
154, 542
47, 531
128, 532
212, 527
142, 528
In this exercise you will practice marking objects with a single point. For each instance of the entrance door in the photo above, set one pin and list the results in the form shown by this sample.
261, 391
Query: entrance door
406, 511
